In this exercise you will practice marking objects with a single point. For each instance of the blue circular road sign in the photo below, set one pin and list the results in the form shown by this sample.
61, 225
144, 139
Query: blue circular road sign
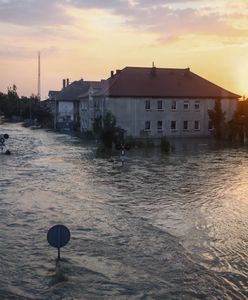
58, 236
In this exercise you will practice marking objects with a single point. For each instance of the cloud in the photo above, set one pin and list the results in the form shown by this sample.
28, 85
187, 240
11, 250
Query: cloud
169, 19
22, 52
32, 12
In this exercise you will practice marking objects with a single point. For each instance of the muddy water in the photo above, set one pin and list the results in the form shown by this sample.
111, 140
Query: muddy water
161, 227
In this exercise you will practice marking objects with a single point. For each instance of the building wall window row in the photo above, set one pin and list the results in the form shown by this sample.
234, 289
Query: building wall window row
173, 105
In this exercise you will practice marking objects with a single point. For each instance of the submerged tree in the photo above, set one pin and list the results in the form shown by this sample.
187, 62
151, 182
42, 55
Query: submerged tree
217, 117
106, 130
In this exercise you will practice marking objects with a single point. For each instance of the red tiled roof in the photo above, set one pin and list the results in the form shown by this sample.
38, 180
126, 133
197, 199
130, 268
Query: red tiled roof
162, 82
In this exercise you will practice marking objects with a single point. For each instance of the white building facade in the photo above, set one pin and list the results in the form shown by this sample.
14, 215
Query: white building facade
152, 103
157, 117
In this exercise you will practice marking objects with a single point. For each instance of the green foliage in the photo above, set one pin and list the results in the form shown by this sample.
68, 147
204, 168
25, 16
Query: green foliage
238, 126
11, 105
97, 127
106, 130
165, 145
217, 116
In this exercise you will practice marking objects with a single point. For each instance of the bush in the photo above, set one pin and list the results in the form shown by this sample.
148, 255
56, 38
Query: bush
165, 145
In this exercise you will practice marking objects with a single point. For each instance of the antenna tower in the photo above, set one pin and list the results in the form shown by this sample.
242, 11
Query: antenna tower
38, 93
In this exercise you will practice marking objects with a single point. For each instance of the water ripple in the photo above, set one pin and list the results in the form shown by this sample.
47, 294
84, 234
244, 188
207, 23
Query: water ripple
161, 227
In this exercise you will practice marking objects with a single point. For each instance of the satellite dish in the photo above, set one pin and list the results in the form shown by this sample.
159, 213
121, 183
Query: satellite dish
58, 236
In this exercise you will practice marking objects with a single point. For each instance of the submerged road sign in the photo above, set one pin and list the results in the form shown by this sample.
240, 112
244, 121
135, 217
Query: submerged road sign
58, 236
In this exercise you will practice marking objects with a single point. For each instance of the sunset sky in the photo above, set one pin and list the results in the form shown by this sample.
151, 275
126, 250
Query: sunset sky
89, 38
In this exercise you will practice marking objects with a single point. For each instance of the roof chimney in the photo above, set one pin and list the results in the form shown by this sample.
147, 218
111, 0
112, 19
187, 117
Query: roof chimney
187, 72
118, 72
63, 83
153, 70
112, 73
67, 82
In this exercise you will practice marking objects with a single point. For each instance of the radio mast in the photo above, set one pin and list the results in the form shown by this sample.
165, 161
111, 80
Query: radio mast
38, 93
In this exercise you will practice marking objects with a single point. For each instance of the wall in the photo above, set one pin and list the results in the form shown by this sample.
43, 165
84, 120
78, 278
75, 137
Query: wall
65, 111
132, 115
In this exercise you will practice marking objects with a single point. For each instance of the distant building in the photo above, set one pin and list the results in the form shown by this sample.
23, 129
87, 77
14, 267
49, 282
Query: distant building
91, 106
67, 104
52, 95
155, 102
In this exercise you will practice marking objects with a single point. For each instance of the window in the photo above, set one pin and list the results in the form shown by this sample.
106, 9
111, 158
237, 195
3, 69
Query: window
67, 118
197, 105
148, 104
160, 104
84, 124
185, 125
173, 125
84, 106
173, 105
186, 105
197, 125
160, 126
96, 104
147, 125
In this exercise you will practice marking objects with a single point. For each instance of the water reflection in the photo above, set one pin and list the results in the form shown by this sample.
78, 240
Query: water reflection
164, 227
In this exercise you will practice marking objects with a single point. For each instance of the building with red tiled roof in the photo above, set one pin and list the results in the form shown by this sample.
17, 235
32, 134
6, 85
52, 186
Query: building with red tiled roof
153, 102
163, 82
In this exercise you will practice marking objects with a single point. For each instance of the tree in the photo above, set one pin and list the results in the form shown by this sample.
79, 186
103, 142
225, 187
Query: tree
217, 117
238, 126
106, 129
97, 127
9, 103
24, 107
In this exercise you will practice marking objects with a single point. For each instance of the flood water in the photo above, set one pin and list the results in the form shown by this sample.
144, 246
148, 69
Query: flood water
160, 227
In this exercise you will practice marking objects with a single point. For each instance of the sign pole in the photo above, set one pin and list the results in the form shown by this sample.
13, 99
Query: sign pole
58, 236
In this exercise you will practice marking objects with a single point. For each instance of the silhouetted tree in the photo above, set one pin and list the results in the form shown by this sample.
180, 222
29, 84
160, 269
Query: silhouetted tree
97, 127
238, 126
217, 116
24, 107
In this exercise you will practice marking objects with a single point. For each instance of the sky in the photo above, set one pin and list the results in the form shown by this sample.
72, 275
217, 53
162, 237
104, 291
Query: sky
89, 38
